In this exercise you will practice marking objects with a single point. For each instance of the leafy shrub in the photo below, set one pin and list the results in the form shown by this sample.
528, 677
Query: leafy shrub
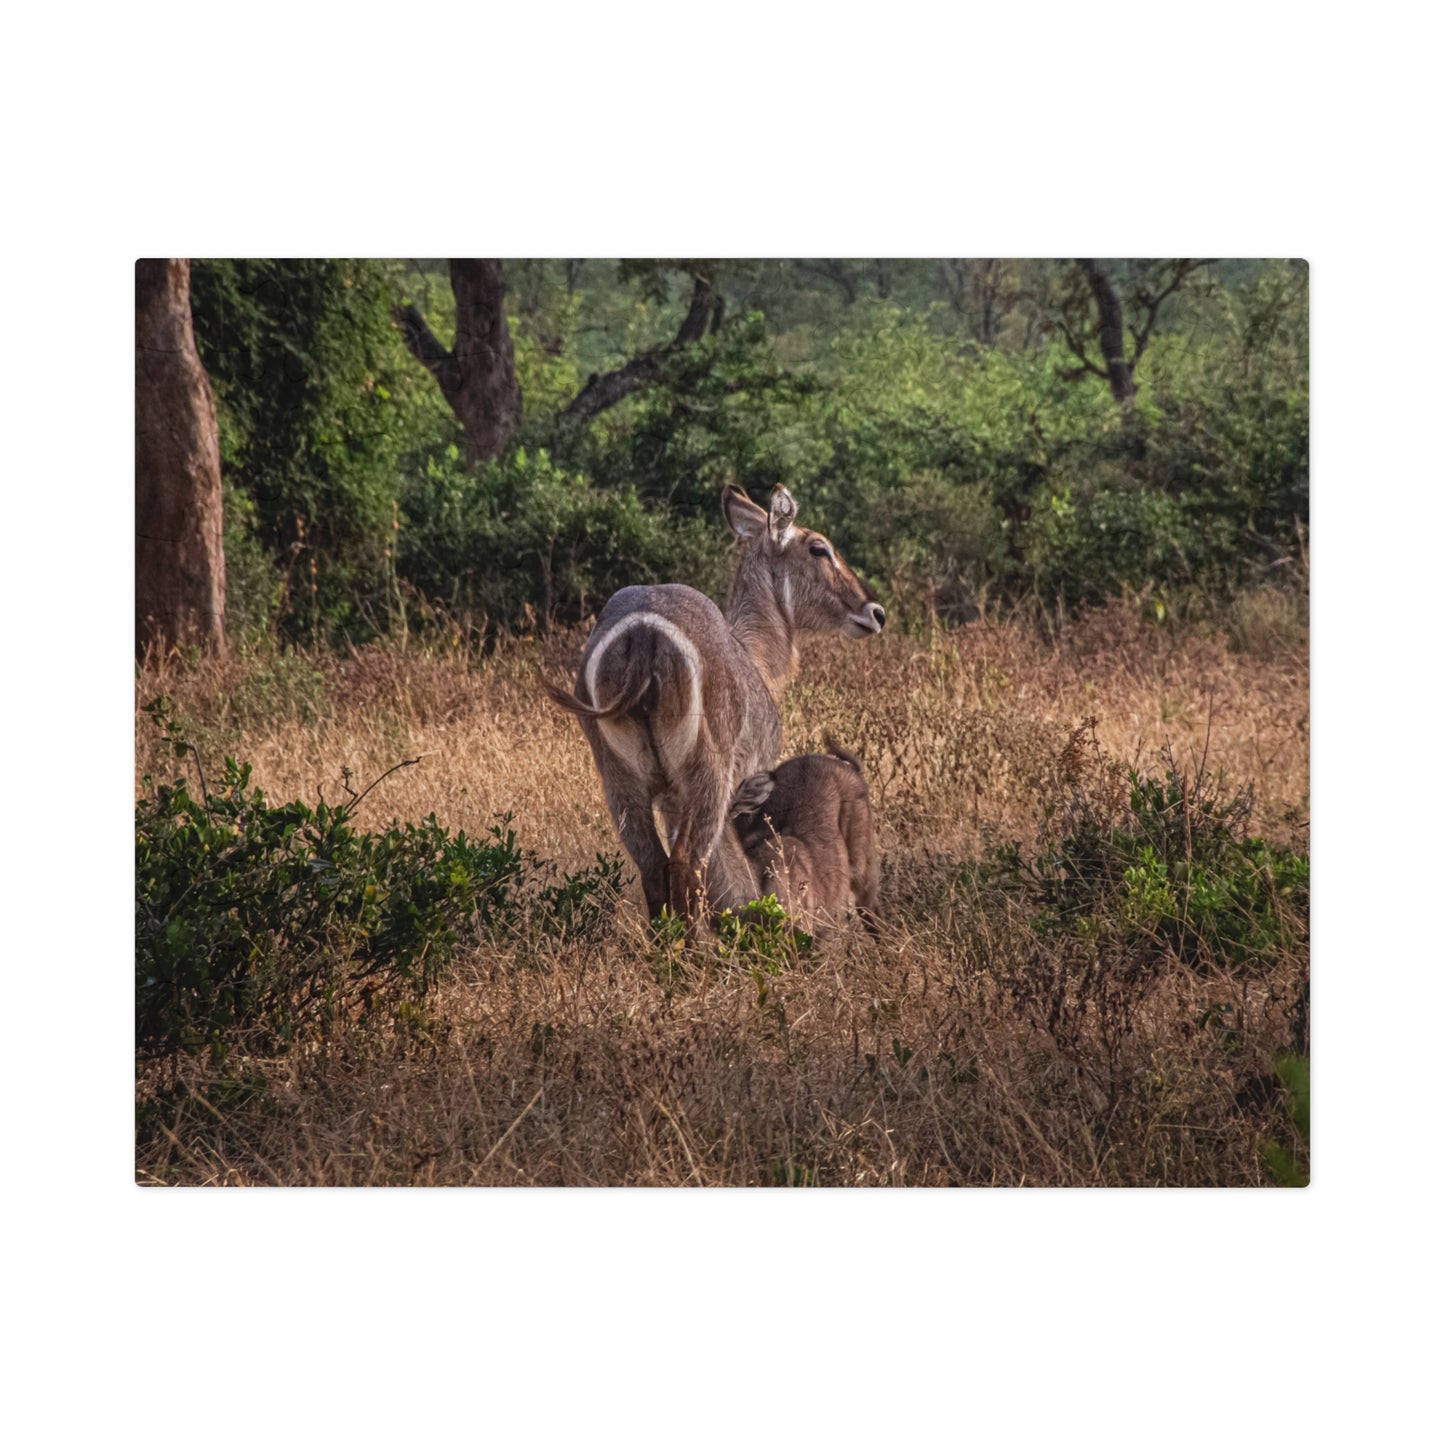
1228, 415
722, 410
576, 905
1288, 1164
1088, 549
761, 934
1158, 866
276, 921
254, 588
946, 470
524, 543
317, 402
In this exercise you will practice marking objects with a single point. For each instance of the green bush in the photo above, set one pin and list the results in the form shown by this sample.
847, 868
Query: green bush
1288, 1163
1158, 865
524, 543
272, 922
318, 403
1087, 550
254, 586
720, 411
1228, 414
762, 935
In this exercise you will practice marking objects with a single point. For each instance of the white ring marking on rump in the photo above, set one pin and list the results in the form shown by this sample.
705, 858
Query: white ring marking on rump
676, 734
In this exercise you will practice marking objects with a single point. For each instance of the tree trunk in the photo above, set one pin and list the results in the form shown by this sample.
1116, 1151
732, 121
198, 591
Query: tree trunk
180, 566
1111, 334
478, 376
988, 287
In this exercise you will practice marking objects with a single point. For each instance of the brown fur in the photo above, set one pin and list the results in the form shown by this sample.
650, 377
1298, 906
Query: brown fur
806, 829
679, 701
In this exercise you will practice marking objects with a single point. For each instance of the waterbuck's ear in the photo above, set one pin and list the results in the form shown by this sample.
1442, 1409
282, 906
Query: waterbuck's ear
744, 515
752, 793
782, 516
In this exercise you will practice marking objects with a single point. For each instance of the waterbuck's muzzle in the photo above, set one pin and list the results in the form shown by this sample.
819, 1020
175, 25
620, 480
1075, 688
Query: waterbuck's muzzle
870, 619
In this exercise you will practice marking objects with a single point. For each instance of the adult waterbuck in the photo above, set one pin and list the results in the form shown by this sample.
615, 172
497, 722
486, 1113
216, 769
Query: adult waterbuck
679, 701
806, 829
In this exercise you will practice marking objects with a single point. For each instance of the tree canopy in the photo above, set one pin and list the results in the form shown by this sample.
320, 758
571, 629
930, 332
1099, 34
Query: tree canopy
498, 445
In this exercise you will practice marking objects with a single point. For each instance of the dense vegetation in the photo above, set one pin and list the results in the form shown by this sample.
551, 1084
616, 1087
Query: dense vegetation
948, 423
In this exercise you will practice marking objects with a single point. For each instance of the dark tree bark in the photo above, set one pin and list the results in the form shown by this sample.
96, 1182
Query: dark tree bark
1117, 367
976, 291
1150, 284
180, 565
704, 315
883, 279
478, 376
988, 301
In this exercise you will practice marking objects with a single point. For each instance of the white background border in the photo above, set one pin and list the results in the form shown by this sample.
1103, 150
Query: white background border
756, 130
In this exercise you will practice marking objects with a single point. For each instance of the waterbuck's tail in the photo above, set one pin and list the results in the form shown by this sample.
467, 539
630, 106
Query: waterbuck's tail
636, 682
842, 753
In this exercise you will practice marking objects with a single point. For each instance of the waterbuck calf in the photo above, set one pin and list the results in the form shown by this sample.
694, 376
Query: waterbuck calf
806, 829
678, 700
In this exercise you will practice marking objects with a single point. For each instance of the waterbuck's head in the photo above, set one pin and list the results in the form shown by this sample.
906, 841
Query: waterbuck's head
792, 574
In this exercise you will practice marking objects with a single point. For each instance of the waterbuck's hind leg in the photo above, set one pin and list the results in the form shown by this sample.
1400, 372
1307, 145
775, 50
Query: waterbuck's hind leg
684, 875
631, 809
644, 847
716, 856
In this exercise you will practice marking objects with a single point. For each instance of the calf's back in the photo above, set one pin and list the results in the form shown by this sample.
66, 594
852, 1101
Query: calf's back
807, 831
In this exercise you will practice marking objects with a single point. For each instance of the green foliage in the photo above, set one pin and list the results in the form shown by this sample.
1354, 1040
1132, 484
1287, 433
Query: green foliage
526, 543
951, 464
1229, 419
1288, 1164
1111, 541
272, 922
1159, 865
254, 586
761, 935
719, 411
577, 905
317, 402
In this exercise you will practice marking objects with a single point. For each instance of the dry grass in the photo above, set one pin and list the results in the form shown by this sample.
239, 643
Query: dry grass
909, 1060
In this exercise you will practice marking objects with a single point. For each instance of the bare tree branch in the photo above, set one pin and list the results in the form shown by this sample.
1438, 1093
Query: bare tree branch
421, 341
1076, 344
1151, 303
704, 315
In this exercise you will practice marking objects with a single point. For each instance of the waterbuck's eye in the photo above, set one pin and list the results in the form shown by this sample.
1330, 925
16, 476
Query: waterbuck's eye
818, 549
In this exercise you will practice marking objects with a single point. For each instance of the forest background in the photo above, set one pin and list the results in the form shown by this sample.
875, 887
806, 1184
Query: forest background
973, 433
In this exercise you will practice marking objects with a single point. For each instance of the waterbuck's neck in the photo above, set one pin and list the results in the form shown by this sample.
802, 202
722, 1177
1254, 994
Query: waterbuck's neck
762, 621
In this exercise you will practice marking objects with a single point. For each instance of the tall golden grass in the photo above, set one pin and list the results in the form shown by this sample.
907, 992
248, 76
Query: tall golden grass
906, 1060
